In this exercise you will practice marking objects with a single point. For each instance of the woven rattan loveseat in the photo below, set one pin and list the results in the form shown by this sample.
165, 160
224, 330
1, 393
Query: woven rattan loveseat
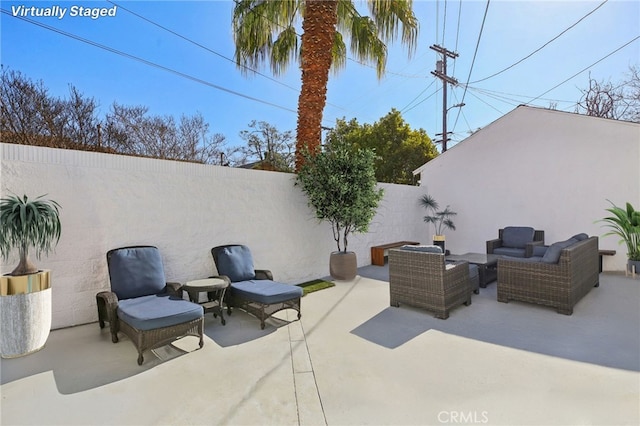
560, 285
424, 280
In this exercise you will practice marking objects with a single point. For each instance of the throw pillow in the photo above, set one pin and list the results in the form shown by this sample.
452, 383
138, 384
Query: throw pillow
236, 262
552, 255
517, 236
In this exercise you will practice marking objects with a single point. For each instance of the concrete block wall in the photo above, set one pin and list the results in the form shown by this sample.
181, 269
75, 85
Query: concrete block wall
184, 209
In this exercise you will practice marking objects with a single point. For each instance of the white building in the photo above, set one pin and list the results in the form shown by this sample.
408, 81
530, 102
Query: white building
537, 167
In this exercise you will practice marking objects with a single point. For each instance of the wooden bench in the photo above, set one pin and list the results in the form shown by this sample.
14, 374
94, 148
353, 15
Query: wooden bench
605, 253
378, 252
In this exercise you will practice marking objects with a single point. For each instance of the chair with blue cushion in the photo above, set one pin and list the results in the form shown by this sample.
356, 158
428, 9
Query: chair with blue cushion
253, 290
516, 241
142, 305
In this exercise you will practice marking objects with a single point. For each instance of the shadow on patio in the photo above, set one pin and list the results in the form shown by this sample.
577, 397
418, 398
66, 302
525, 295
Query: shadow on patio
604, 328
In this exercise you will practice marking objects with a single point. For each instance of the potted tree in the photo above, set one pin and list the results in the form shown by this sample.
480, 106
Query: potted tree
341, 186
441, 219
625, 223
25, 293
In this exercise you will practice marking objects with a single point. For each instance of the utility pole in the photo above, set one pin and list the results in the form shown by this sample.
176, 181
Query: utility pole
441, 73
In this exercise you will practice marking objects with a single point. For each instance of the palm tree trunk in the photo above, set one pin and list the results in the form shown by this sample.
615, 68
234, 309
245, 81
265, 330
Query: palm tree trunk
319, 26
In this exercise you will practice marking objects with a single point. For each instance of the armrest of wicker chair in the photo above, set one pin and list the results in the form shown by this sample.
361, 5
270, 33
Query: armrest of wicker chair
107, 302
263, 274
174, 289
493, 244
528, 250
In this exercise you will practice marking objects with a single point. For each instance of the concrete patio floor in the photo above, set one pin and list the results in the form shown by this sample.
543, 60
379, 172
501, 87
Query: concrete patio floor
351, 360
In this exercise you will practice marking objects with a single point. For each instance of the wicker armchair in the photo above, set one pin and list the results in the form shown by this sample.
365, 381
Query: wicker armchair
516, 241
560, 285
425, 280
142, 305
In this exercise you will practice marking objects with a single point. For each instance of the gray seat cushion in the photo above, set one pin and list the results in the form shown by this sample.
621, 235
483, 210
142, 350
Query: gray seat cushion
474, 277
427, 248
509, 251
265, 291
157, 311
517, 236
539, 251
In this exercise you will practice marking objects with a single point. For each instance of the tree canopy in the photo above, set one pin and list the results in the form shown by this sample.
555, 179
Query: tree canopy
399, 149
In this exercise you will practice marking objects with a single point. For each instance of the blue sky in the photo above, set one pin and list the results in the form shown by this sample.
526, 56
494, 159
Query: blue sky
512, 30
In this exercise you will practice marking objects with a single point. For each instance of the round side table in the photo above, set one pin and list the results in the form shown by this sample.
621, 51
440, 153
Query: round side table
215, 289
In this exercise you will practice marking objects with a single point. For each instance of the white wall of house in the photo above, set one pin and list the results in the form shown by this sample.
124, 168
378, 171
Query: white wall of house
536, 167
184, 209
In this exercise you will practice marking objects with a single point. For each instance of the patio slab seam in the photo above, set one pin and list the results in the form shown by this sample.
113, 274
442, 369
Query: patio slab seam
308, 400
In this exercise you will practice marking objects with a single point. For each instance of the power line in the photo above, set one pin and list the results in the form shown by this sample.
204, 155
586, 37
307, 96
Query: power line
584, 69
541, 47
405, 110
201, 45
146, 62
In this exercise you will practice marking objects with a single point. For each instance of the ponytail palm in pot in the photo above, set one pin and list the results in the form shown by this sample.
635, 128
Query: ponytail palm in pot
341, 187
25, 293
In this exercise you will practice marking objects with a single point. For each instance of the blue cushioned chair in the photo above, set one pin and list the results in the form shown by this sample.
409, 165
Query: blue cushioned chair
516, 241
142, 305
253, 290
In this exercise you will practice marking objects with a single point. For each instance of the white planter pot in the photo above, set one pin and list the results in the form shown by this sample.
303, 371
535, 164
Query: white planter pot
25, 315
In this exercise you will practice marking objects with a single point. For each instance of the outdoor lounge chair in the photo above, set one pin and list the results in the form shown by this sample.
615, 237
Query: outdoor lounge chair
425, 280
141, 304
253, 290
516, 241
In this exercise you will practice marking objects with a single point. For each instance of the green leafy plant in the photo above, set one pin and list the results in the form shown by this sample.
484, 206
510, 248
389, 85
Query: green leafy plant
341, 187
440, 219
625, 223
25, 223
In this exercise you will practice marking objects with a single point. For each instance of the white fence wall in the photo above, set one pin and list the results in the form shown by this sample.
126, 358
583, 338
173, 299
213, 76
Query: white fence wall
184, 209
542, 168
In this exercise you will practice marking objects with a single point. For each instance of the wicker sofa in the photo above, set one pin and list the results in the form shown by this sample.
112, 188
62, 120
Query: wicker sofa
561, 284
425, 280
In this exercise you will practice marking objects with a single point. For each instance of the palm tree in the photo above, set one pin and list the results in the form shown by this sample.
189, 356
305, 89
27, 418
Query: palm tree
265, 31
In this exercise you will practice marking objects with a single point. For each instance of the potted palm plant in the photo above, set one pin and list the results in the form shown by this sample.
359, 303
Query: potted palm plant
25, 293
441, 219
341, 187
625, 223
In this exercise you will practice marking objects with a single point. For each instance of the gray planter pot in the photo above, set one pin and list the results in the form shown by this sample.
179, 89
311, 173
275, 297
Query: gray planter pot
25, 318
343, 266
633, 267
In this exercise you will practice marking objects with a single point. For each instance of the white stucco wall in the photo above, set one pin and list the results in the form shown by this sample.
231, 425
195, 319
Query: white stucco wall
542, 168
184, 209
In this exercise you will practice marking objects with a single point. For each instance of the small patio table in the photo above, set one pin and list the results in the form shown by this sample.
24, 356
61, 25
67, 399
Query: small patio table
215, 289
487, 265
